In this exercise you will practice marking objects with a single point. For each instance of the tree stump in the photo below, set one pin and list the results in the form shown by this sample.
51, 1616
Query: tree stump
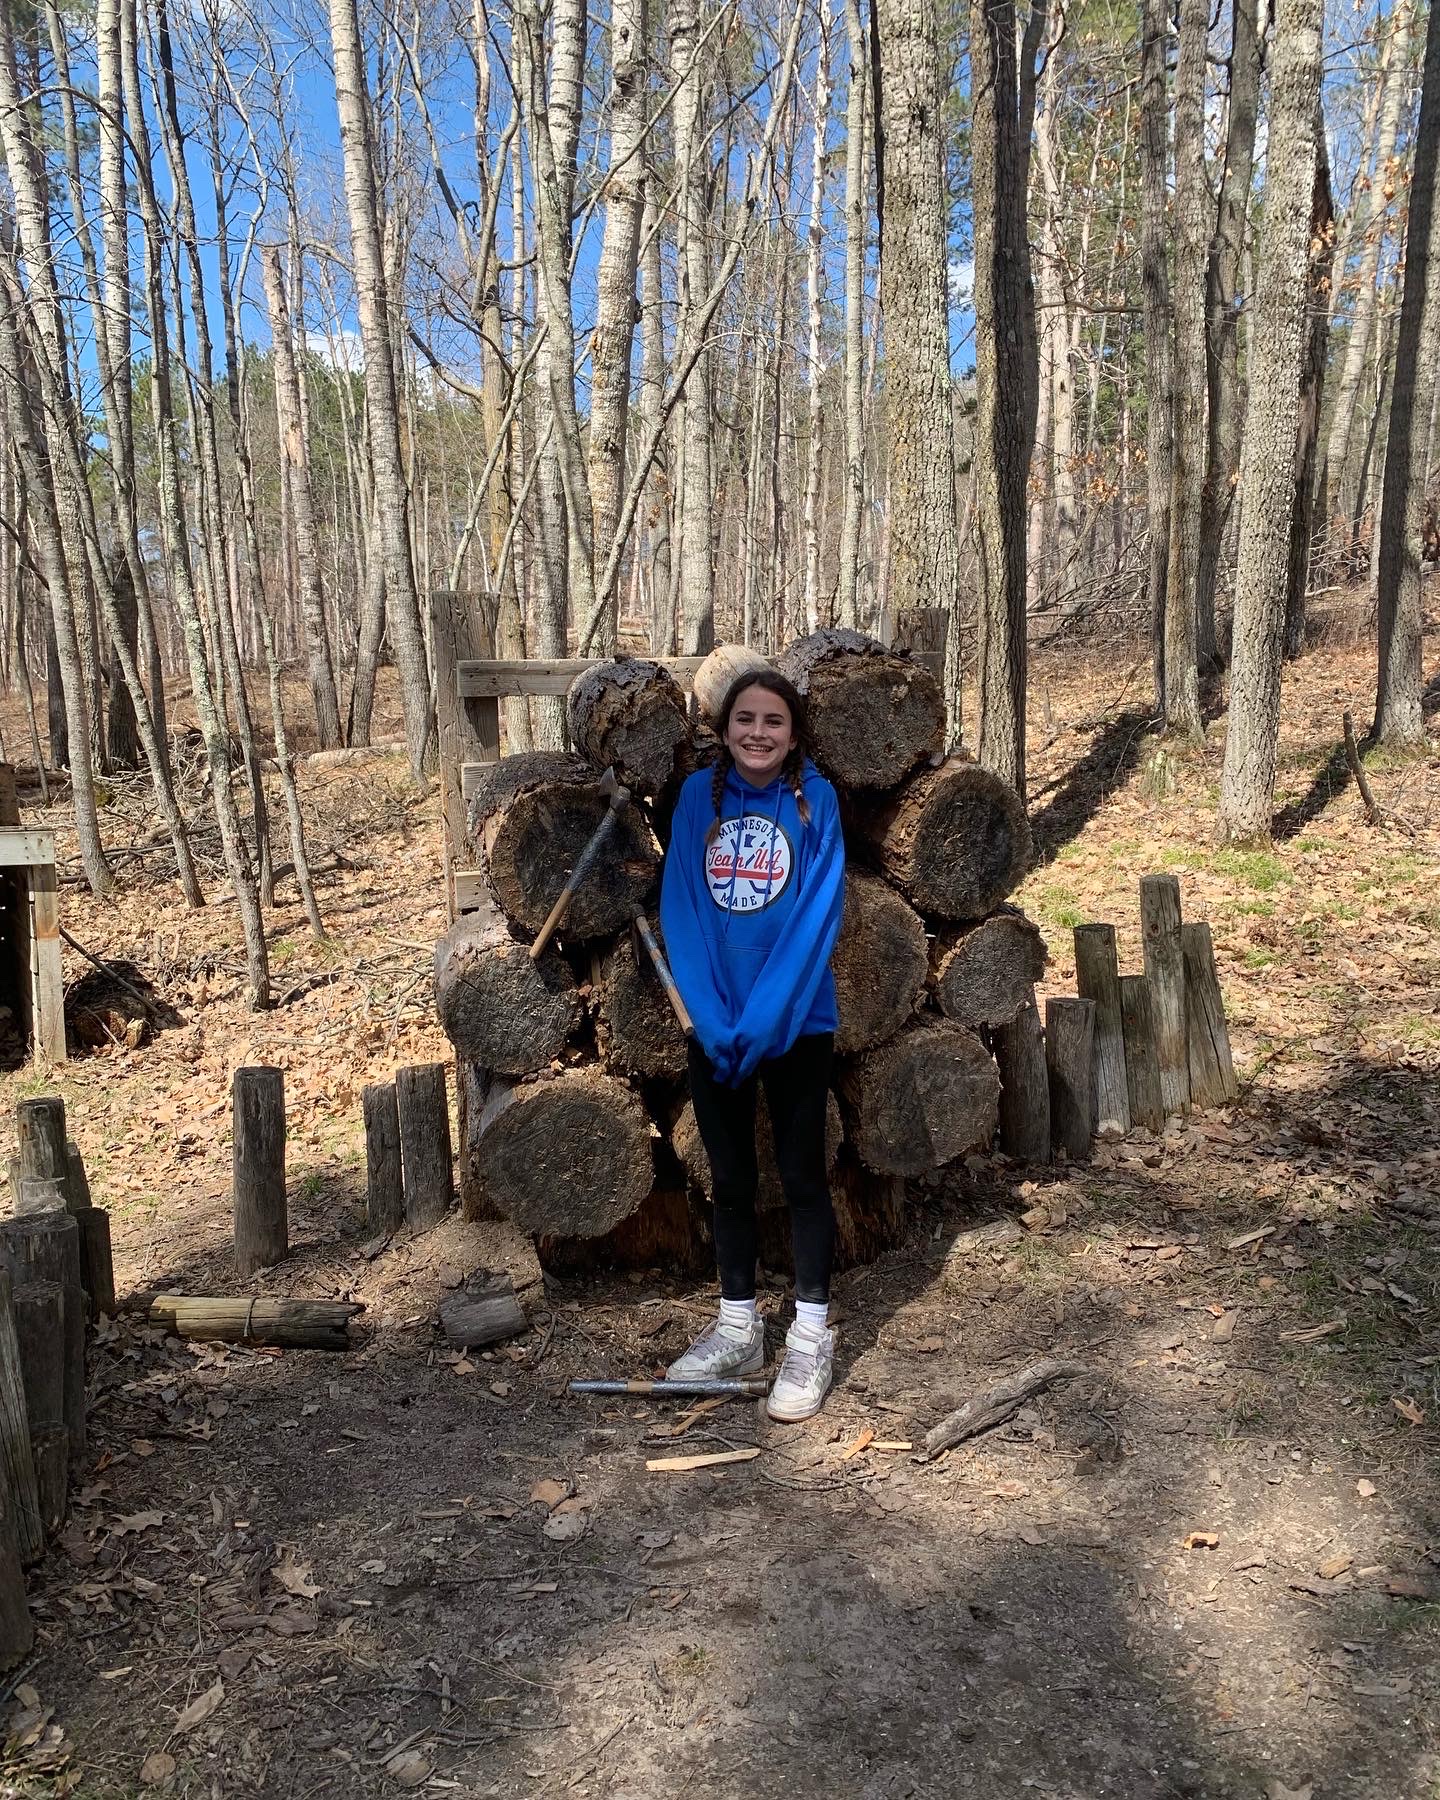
688, 1145
719, 672
565, 1155
1070, 1059
39, 1247
629, 715
499, 1008
427, 1162
18, 1491
40, 1130
637, 1030
261, 1226
879, 964
954, 840
1212, 1069
986, 974
1019, 1047
1142, 1067
384, 1185
531, 826
1097, 978
475, 1318
872, 716
929, 1095
1165, 971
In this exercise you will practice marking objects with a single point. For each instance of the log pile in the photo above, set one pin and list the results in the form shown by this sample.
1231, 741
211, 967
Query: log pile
55, 1278
576, 1124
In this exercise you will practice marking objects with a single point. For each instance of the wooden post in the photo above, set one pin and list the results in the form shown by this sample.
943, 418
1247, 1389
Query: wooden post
1212, 1069
97, 1265
384, 1188
424, 1143
1142, 1070
77, 1182
50, 1451
46, 1247
1024, 1086
40, 1333
1097, 978
19, 1494
40, 1194
1070, 1060
17, 1630
47, 980
40, 1129
9, 799
261, 1227
1165, 971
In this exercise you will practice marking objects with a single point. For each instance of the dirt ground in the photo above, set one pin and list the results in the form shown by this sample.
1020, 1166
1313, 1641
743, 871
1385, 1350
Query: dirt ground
1210, 1566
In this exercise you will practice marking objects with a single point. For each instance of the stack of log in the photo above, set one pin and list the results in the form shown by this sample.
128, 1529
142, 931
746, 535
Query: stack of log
575, 1120
56, 1276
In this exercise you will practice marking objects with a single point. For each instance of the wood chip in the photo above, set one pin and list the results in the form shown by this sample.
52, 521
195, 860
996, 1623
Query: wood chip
863, 1442
1335, 1566
892, 1444
1251, 1237
1201, 1540
682, 1465
1308, 1333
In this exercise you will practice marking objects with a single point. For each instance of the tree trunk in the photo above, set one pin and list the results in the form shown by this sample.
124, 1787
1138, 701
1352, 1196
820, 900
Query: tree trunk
856, 221
1308, 469
954, 840
1399, 709
912, 208
814, 289
985, 973
636, 1027
261, 1223
697, 574
927, 1097
629, 716
1222, 366
1193, 212
652, 391
1024, 1086
1159, 324
871, 716
373, 304
1247, 786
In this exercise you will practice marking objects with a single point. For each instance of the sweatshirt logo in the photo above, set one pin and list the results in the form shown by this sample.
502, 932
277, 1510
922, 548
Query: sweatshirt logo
748, 866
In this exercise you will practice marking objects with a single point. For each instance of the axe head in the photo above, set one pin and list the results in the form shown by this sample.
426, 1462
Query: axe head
618, 797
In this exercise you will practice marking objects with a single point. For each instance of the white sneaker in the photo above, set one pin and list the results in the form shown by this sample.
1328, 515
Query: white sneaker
804, 1379
722, 1351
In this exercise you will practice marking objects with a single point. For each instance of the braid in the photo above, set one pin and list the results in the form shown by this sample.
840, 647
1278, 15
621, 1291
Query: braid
723, 765
794, 775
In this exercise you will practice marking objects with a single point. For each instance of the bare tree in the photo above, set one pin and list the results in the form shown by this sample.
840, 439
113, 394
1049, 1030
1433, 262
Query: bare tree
856, 215
1159, 324
697, 572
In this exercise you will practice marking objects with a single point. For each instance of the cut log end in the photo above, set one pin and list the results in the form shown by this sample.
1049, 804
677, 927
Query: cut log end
987, 974
629, 715
872, 716
534, 843
879, 963
954, 840
638, 1031
930, 1095
499, 1008
719, 673
566, 1155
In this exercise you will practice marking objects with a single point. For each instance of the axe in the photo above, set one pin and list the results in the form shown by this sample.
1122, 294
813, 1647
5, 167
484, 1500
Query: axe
618, 798
662, 969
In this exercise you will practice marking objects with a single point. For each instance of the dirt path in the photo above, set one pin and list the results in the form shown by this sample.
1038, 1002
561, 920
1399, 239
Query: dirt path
343, 1556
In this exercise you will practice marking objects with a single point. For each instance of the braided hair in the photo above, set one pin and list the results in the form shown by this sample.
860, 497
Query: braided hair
792, 772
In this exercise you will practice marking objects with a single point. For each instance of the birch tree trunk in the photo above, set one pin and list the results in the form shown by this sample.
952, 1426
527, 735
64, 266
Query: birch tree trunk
614, 334
912, 209
1247, 786
1399, 702
1193, 211
697, 573
402, 602
1312, 395
856, 220
1159, 324
1394, 85
652, 392
1005, 381
1222, 366
814, 285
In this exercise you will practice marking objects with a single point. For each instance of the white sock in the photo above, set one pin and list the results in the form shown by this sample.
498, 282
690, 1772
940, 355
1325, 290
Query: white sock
810, 1316
739, 1315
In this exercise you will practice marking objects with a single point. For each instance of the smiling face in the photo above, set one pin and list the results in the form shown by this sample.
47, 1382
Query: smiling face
760, 734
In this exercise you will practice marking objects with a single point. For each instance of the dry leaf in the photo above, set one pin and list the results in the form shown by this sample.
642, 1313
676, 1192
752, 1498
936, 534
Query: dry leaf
928, 1346
408, 1768
158, 1766
1407, 1409
1008, 1490
569, 1521
1409, 1587
1201, 1540
550, 1492
141, 1521
142, 1447
1028, 1532
199, 1710
1250, 1237
293, 1576
462, 1366
502, 1388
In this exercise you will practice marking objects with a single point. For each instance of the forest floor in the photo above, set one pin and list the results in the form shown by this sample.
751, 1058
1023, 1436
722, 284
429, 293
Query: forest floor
1210, 1567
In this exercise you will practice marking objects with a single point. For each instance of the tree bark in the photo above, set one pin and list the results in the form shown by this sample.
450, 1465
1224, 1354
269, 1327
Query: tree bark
871, 717
499, 1008
697, 573
1399, 707
426, 1156
1159, 325
856, 221
927, 1097
954, 840
1308, 468
879, 963
985, 973
258, 1124
814, 290
1247, 784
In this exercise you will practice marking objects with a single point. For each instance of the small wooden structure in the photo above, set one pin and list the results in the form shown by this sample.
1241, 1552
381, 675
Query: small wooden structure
30, 977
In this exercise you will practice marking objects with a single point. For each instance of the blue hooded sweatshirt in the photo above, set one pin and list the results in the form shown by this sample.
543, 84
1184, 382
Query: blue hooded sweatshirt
750, 920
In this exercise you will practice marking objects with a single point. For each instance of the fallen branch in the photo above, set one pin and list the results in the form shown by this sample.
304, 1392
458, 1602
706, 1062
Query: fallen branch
106, 968
993, 1405
1357, 769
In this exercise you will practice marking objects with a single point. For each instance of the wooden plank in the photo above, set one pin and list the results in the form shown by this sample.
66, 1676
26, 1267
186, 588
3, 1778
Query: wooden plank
1097, 978
497, 679
23, 849
1212, 1069
472, 891
468, 724
1165, 971
47, 991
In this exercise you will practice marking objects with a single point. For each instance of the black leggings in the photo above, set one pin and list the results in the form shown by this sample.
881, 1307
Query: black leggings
796, 1087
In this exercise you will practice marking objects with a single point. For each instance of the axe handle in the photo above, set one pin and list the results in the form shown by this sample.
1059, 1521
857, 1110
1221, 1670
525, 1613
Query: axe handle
567, 893
662, 969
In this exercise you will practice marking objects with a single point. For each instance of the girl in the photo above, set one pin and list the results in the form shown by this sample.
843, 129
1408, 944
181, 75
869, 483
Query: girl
753, 890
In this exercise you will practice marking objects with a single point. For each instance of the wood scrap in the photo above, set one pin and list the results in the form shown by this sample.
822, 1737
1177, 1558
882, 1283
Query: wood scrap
682, 1465
994, 1404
